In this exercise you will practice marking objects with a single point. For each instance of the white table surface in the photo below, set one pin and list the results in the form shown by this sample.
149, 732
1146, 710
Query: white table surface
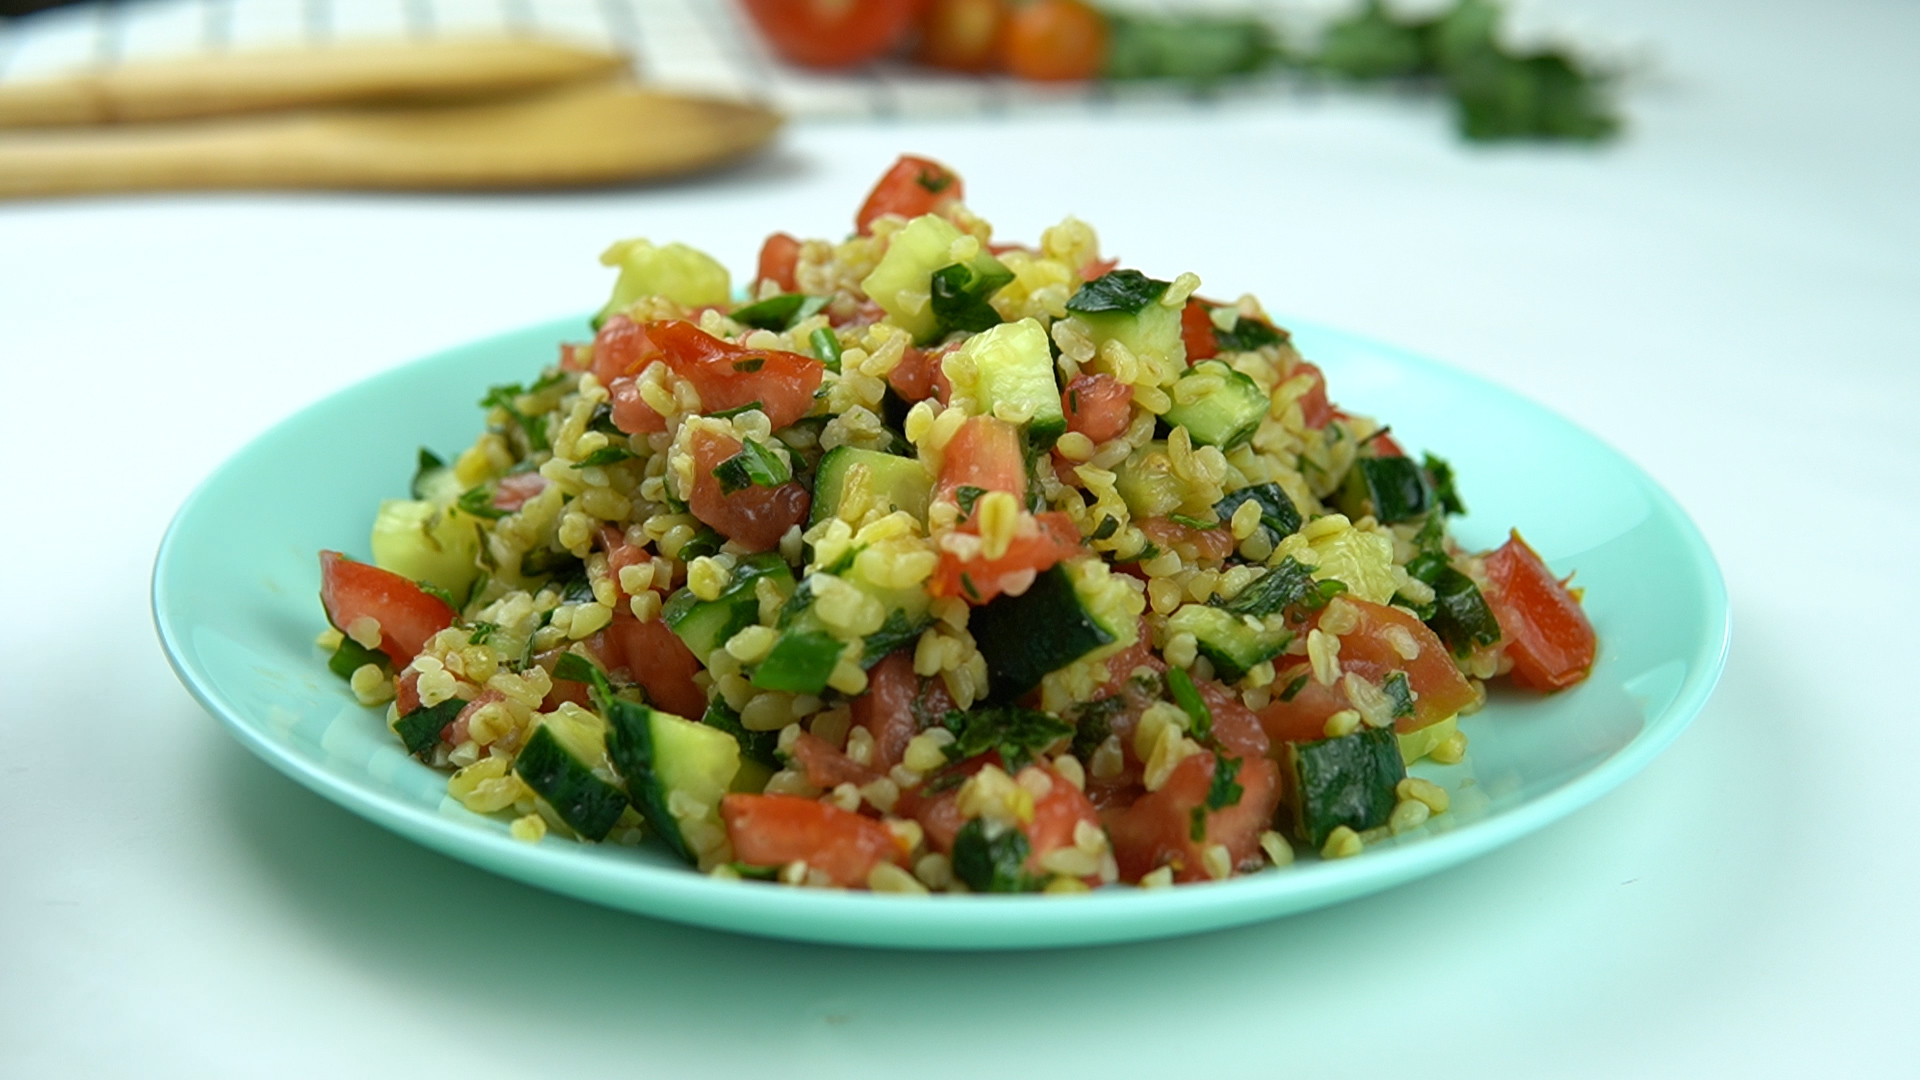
1731, 296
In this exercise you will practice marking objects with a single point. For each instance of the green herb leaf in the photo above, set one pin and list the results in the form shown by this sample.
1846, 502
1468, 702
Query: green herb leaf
760, 746
1224, 791
959, 298
478, 501
1107, 527
1018, 734
602, 421
1193, 522
773, 313
480, 632
420, 729
726, 414
504, 398
1124, 291
966, 495
1278, 516
351, 656
1283, 586
992, 859
705, 542
1187, 696
1400, 692
1440, 475
1247, 335
754, 466
826, 346
429, 463
1093, 722
897, 631
1293, 688
439, 594
606, 455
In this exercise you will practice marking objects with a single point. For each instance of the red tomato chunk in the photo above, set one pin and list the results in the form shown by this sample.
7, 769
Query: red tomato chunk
775, 830
407, 615
1548, 637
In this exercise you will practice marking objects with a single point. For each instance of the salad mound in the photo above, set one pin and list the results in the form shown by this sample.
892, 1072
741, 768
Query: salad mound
937, 563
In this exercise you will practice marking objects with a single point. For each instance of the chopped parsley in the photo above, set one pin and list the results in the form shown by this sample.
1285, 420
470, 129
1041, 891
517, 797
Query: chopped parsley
826, 346
992, 858
1400, 692
1247, 335
1278, 516
1019, 735
1187, 696
756, 465
606, 455
1444, 490
504, 398
966, 495
959, 298
478, 501
429, 463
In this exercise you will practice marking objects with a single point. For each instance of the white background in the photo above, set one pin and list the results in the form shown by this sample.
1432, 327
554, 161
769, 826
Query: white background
1730, 295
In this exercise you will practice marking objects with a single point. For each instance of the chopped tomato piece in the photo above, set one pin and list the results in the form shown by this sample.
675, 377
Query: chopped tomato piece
984, 453
914, 186
631, 413
1234, 725
919, 375
757, 517
575, 357
1040, 541
897, 705
458, 731
406, 691
657, 659
1547, 634
779, 256
730, 376
621, 555
1374, 649
826, 767
1098, 406
1158, 829
1196, 330
408, 616
1203, 544
939, 812
1056, 816
513, 491
774, 830
1315, 410
621, 349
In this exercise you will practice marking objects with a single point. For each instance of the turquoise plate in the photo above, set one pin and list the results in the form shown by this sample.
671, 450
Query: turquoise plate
235, 601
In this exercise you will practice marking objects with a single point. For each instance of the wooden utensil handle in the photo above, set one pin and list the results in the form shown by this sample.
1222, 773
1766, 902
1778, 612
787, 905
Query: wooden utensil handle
345, 73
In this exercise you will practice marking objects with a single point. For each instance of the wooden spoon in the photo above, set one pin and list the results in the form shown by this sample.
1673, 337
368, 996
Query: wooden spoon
347, 73
592, 134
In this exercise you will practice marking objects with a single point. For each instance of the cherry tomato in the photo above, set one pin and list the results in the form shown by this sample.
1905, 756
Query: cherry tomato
1054, 41
755, 516
774, 830
778, 258
1547, 634
914, 186
832, 33
959, 35
1097, 406
407, 615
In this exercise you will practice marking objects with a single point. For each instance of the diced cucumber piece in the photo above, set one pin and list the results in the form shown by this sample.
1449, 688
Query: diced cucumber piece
1345, 781
350, 656
1392, 489
1225, 639
565, 762
676, 771
1226, 409
758, 749
1147, 482
425, 541
1124, 306
705, 625
1460, 613
1044, 629
682, 274
1015, 377
1420, 742
899, 483
902, 282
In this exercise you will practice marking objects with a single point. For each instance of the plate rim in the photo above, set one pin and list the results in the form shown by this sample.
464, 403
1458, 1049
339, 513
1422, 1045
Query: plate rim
966, 922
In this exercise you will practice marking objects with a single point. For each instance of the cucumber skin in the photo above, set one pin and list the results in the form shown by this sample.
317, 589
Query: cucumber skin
630, 745
1233, 647
1042, 630
1239, 401
588, 804
903, 481
1345, 781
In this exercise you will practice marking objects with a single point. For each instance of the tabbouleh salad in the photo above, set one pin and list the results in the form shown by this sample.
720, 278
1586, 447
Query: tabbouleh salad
938, 564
